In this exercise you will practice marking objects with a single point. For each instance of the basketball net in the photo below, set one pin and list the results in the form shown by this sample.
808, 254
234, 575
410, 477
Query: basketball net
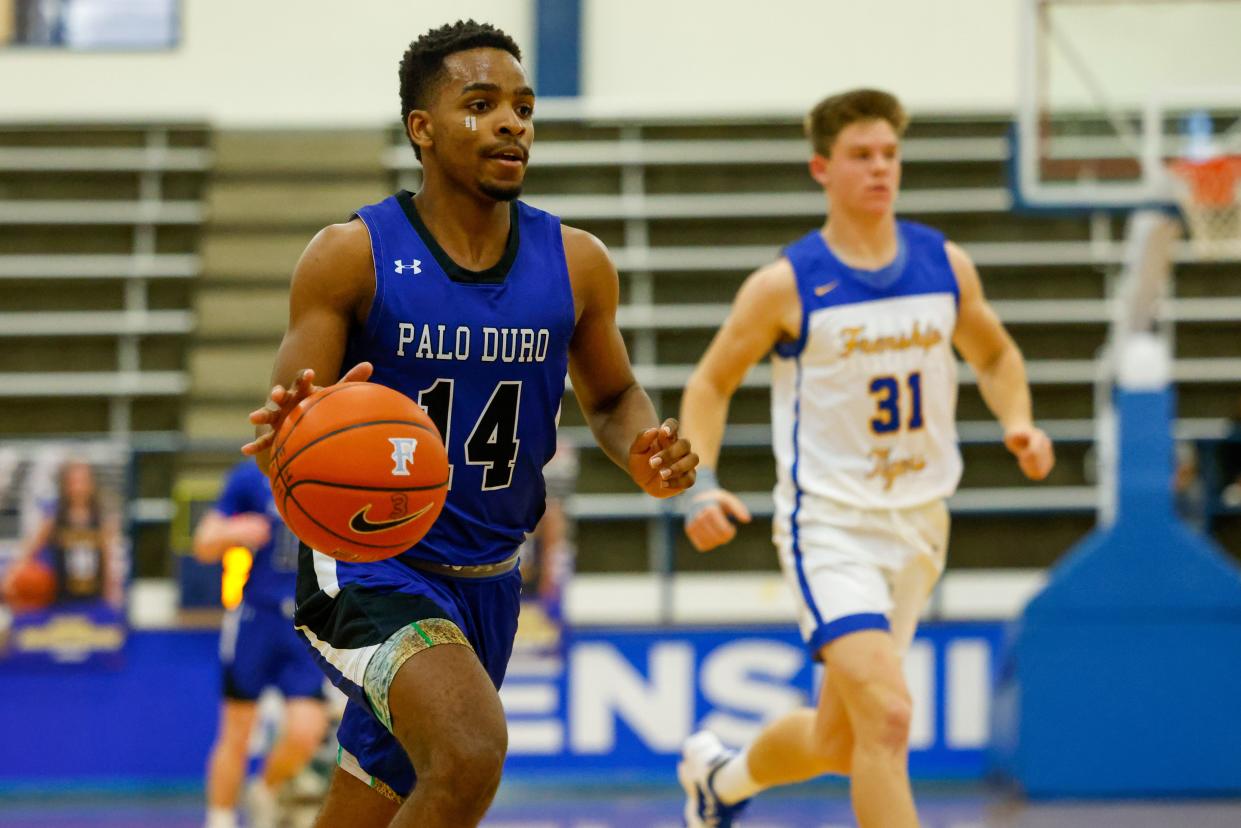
1209, 191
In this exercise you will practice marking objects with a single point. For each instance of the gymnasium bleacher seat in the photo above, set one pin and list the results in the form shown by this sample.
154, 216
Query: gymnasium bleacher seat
689, 208
99, 230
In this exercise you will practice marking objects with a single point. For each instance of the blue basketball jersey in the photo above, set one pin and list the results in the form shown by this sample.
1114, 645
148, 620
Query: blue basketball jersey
485, 353
273, 571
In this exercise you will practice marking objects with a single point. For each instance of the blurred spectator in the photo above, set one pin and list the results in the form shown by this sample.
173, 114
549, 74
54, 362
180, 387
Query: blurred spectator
78, 536
548, 555
1188, 487
1230, 462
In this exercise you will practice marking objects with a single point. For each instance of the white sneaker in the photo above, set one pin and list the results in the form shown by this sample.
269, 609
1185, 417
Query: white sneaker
262, 809
701, 756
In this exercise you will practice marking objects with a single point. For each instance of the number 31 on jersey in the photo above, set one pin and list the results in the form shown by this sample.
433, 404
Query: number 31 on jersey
886, 391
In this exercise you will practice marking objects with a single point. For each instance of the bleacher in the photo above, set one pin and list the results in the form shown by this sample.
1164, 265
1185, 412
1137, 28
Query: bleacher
114, 322
688, 209
99, 234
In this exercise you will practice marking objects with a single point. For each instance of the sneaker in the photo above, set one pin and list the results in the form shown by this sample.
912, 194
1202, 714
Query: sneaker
262, 809
702, 756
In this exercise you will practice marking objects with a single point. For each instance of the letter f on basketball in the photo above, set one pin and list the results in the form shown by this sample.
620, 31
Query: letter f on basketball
402, 454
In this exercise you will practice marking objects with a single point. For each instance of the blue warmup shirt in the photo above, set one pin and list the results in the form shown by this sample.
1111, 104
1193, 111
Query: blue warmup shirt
274, 569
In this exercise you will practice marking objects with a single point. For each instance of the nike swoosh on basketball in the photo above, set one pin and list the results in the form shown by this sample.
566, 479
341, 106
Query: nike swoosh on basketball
361, 525
823, 290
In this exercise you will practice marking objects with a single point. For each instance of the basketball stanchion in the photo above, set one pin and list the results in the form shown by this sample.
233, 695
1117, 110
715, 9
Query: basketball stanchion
1117, 671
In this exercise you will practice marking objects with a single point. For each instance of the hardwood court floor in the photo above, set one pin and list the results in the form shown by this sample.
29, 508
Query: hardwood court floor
549, 807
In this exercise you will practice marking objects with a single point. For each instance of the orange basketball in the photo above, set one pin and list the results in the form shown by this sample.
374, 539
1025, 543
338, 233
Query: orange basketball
359, 471
33, 586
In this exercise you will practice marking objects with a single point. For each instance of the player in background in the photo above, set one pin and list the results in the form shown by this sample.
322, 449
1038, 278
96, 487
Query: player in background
860, 317
258, 649
474, 304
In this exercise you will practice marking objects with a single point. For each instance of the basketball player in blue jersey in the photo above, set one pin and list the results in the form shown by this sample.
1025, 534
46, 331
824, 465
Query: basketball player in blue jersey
258, 649
860, 317
474, 304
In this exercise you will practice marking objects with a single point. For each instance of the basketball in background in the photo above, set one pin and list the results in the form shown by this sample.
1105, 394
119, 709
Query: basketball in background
33, 587
359, 471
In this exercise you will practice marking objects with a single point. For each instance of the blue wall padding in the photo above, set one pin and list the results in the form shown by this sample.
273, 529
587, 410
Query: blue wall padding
114, 725
1123, 676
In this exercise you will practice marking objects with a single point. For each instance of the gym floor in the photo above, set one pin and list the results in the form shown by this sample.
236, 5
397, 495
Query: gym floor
556, 807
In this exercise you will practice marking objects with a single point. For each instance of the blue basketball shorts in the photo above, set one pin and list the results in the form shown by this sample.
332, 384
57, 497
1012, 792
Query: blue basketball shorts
258, 649
364, 620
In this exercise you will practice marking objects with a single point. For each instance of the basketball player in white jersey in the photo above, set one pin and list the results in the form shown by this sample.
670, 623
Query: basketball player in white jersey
860, 317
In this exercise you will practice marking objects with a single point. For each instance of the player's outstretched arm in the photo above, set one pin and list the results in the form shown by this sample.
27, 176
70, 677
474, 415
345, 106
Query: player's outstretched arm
331, 290
618, 410
217, 532
1000, 368
765, 311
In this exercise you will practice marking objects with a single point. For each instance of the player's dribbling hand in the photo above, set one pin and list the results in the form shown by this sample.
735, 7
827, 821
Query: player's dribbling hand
661, 462
710, 520
1033, 450
283, 400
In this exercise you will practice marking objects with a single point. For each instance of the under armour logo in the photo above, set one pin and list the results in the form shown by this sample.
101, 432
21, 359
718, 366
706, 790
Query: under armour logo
403, 449
399, 266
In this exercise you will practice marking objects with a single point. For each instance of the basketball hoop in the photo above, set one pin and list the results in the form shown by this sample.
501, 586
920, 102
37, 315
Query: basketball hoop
1209, 191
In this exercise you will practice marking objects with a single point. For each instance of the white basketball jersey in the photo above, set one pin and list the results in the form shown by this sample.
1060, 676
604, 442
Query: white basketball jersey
863, 404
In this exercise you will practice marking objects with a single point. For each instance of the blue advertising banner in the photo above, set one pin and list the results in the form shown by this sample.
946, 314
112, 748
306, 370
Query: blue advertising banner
608, 703
621, 702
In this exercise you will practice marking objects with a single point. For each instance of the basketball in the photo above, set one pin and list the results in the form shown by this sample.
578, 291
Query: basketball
359, 471
33, 587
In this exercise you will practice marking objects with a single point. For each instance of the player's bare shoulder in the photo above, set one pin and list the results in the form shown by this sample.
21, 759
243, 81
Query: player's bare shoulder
770, 294
968, 281
337, 268
591, 271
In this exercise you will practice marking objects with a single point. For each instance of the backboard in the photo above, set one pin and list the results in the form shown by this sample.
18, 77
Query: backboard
1112, 91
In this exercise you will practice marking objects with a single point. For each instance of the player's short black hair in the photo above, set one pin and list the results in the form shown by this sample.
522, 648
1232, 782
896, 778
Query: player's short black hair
834, 113
424, 59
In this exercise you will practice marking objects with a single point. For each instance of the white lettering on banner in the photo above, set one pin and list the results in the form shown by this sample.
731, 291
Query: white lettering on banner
750, 677
605, 686
538, 737
920, 678
969, 693
740, 684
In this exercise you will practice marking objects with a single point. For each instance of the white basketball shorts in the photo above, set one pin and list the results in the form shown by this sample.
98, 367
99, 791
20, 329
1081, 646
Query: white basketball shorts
858, 569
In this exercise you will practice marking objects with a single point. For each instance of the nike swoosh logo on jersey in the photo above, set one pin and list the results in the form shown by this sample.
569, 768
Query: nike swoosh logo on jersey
361, 525
823, 290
